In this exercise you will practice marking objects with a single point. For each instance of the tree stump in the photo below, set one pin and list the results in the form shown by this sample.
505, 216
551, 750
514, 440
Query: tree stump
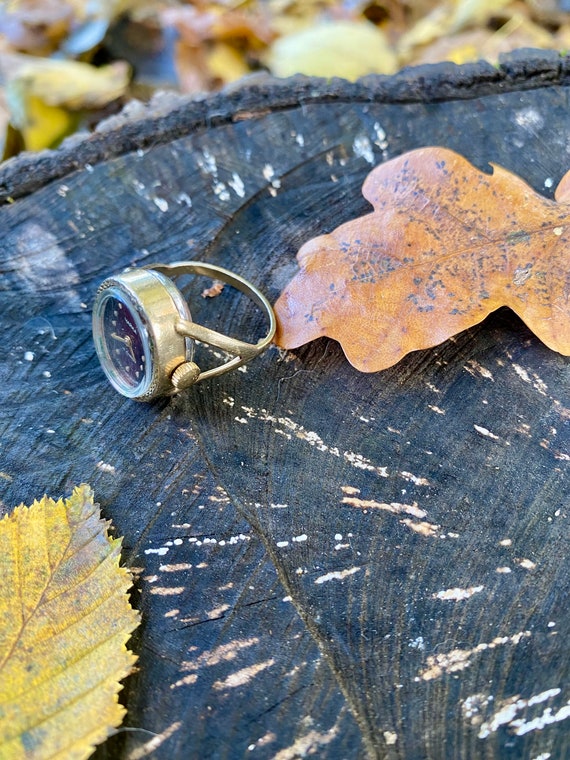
329, 563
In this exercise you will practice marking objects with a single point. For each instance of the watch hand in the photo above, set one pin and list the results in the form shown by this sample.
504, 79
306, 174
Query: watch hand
127, 341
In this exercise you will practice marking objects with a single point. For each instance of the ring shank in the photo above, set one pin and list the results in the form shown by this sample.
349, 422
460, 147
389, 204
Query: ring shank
241, 350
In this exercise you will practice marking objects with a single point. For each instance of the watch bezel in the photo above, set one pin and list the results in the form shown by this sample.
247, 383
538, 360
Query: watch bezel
157, 305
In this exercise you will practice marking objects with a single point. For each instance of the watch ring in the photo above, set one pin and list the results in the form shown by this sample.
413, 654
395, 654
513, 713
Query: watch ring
144, 334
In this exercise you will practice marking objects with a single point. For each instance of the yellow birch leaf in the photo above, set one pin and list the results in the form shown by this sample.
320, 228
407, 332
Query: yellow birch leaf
474, 12
45, 96
347, 49
65, 619
45, 126
72, 84
226, 63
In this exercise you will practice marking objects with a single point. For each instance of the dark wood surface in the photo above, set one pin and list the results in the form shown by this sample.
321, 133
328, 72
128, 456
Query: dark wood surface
329, 563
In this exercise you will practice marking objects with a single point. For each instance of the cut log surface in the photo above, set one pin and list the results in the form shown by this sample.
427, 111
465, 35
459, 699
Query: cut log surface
329, 563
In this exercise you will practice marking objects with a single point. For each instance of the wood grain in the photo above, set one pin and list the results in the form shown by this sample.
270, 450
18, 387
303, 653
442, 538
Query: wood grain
332, 563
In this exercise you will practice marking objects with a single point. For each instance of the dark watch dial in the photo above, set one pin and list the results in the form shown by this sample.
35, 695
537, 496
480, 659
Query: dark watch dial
122, 343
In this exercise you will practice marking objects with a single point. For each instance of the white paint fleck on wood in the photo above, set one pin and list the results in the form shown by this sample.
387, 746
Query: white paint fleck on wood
487, 433
106, 467
457, 594
526, 563
237, 185
243, 676
459, 659
208, 658
362, 148
415, 479
381, 138
143, 750
263, 741
522, 373
183, 198
176, 567
207, 162
188, 680
336, 575
422, 527
160, 203
221, 191
474, 368
269, 175
507, 710
473, 706
536, 382
394, 507
161, 551
427, 529
307, 745
217, 612
291, 429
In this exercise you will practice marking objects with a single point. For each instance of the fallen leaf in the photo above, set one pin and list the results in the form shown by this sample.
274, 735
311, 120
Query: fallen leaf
45, 95
36, 26
218, 23
445, 246
65, 619
474, 12
348, 49
428, 28
430, 38
43, 27
4, 122
215, 42
225, 63
479, 43
72, 84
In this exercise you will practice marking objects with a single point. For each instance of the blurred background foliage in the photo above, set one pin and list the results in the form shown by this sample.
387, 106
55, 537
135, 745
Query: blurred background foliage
66, 64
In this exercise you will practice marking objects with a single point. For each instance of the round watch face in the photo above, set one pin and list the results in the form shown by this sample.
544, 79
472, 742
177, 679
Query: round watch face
122, 342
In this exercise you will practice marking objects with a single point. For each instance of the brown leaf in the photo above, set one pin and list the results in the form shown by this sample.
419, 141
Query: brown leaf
36, 26
445, 246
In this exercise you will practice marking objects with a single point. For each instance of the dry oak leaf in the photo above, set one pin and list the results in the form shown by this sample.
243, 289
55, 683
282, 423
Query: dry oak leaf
445, 246
65, 620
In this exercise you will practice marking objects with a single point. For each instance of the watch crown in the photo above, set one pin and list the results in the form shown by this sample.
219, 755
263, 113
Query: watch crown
185, 375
